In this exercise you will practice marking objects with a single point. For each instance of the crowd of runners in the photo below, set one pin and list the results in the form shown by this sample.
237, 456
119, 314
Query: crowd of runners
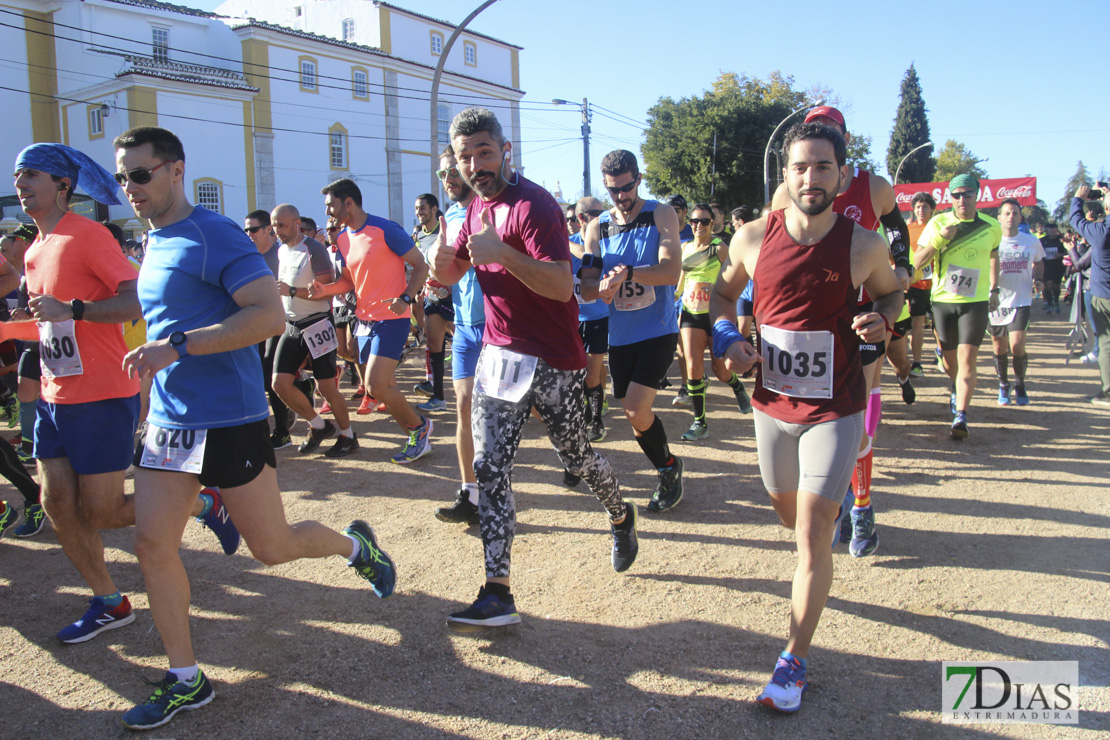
532, 307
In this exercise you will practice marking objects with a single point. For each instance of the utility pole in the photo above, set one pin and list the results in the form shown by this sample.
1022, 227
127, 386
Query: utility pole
585, 106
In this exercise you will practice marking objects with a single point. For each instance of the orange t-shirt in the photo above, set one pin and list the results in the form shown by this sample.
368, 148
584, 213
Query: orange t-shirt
81, 260
374, 255
915, 230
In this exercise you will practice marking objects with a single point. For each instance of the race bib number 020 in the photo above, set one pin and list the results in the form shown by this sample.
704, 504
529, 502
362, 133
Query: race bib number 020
59, 356
320, 338
797, 363
963, 281
179, 450
504, 374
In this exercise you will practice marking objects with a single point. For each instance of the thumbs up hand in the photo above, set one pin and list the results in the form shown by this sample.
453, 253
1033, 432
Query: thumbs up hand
486, 246
443, 254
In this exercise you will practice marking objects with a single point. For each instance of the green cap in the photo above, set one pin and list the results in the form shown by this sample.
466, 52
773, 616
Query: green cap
964, 181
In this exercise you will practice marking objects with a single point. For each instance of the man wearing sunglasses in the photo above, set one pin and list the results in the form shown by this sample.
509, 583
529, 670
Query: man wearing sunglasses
962, 245
208, 299
573, 226
637, 263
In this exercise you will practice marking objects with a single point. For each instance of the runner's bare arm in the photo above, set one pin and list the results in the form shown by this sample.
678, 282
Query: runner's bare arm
123, 306
591, 276
9, 278
260, 316
736, 268
548, 279
343, 284
927, 250
871, 268
416, 280
995, 290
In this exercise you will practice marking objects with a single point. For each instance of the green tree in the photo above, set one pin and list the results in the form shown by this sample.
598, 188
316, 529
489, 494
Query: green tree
859, 153
1037, 214
1081, 177
957, 159
743, 111
911, 130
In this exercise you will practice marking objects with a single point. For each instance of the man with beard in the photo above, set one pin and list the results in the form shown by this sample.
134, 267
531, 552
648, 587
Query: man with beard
515, 237
808, 263
636, 266
1054, 253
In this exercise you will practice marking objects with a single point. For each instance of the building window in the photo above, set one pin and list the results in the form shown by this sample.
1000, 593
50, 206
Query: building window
437, 43
96, 122
297, 11
308, 74
348, 29
360, 85
443, 124
210, 194
337, 147
160, 44
470, 53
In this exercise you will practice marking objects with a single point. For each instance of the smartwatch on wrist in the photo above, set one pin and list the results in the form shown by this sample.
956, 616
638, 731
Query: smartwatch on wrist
292, 292
78, 309
179, 341
406, 298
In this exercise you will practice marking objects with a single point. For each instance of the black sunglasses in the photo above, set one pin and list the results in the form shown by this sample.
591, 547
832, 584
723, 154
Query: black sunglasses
625, 188
139, 175
252, 229
965, 194
700, 221
587, 215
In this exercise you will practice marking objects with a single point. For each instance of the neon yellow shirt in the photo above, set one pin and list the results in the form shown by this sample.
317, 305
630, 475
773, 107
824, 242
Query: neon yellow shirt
961, 268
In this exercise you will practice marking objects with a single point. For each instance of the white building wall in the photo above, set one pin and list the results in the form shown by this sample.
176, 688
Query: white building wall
411, 38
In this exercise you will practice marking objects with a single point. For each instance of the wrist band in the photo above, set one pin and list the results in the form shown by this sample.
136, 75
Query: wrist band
886, 323
725, 334
78, 308
629, 278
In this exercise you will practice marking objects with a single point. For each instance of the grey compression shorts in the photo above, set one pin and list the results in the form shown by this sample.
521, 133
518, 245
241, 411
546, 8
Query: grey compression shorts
818, 458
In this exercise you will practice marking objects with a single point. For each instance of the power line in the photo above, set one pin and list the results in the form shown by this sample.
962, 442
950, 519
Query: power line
638, 123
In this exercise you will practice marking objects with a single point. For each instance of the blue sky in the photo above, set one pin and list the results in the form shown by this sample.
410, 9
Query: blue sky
1018, 82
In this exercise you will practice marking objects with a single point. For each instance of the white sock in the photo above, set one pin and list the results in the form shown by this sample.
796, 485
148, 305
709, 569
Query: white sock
186, 675
349, 433
316, 422
472, 492
355, 549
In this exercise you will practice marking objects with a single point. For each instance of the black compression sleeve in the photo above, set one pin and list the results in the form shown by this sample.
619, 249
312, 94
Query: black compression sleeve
896, 231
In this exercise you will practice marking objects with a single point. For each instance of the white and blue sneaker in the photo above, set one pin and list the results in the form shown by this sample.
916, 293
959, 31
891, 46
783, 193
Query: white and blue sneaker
788, 683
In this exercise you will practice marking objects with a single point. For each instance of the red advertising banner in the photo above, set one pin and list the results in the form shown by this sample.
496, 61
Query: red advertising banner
991, 192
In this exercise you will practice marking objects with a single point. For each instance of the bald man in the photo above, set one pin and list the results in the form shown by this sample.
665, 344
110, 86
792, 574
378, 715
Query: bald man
309, 334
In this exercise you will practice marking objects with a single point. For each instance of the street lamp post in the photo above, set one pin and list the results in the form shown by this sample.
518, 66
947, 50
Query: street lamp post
585, 106
767, 151
911, 151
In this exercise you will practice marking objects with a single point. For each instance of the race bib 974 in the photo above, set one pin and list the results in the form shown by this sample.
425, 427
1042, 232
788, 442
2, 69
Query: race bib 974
963, 281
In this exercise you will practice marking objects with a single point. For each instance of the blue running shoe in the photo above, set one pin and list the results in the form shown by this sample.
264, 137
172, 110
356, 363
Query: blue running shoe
8, 515
488, 610
1003, 394
372, 563
959, 426
1020, 397
865, 540
625, 542
432, 406
98, 618
34, 518
952, 403
170, 697
845, 507
418, 445
788, 683
219, 521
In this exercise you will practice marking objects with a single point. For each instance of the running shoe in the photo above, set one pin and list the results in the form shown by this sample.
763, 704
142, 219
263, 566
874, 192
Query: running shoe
219, 521
604, 407
7, 517
381, 407
424, 389
788, 683
359, 392
698, 430
682, 398
743, 400
367, 405
838, 524
959, 426
25, 457
432, 406
845, 530
625, 542
570, 480
280, 441
34, 519
916, 371
326, 408
488, 610
939, 357
1021, 398
98, 618
170, 697
316, 436
372, 563
462, 511
597, 432
419, 444
1003, 394
1089, 358
343, 446
1100, 400
291, 420
11, 411
669, 492
909, 394
952, 403
865, 540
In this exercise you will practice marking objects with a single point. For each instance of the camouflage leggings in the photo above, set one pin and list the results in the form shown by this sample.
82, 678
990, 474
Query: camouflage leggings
497, 427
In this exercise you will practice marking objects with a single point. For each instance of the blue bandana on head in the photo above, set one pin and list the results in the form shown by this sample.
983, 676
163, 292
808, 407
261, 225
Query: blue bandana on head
60, 160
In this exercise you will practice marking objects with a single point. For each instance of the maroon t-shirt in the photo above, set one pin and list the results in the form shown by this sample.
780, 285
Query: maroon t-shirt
529, 220
806, 291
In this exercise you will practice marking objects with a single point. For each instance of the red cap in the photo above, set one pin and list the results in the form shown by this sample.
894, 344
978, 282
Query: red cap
827, 111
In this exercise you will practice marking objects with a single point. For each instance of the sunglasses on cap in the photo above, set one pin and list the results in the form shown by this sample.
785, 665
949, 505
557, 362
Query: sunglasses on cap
253, 229
139, 175
700, 221
451, 172
625, 188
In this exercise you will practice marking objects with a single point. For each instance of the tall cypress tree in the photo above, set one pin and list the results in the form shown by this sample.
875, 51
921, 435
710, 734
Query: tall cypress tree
911, 130
1063, 206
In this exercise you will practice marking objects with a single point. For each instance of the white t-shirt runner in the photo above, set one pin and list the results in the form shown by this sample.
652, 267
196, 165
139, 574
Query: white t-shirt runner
1016, 257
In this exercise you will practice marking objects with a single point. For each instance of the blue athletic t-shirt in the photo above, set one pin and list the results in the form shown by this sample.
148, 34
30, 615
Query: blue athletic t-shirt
636, 244
466, 295
595, 309
190, 272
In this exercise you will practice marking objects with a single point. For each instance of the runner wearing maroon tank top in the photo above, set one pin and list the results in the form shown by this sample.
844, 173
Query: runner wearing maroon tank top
807, 263
867, 199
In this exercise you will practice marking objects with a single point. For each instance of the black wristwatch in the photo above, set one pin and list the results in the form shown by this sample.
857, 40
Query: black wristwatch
292, 292
406, 298
179, 341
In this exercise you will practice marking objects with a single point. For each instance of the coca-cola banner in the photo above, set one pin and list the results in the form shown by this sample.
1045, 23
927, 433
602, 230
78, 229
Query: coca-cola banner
991, 192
